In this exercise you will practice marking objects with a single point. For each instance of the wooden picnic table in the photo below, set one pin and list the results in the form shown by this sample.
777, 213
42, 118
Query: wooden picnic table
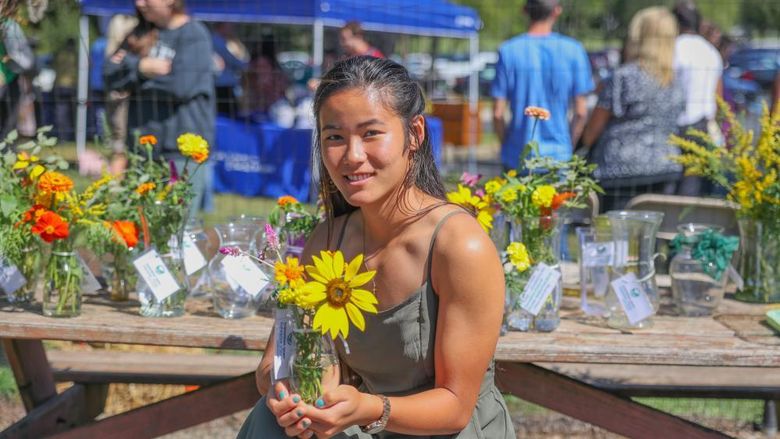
735, 337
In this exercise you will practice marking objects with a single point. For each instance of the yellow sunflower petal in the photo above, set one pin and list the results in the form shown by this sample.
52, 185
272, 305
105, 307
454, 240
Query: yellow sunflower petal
322, 317
364, 296
338, 264
311, 270
324, 268
353, 267
340, 323
356, 316
362, 278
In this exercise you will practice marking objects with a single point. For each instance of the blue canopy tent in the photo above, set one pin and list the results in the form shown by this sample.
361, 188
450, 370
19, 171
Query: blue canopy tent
436, 18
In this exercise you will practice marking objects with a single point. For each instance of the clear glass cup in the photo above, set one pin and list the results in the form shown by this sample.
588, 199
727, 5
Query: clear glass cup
196, 249
595, 259
695, 292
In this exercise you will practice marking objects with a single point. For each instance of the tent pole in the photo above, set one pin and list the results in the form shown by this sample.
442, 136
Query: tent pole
319, 47
81, 112
473, 102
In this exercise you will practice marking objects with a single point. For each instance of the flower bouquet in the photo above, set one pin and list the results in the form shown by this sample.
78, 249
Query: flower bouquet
518, 209
748, 169
293, 222
315, 305
156, 194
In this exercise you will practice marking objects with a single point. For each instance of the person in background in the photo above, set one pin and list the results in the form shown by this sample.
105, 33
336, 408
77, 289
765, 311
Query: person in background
637, 110
266, 82
65, 64
776, 94
353, 41
698, 68
232, 59
171, 87
16, 58
119, 28
545, 69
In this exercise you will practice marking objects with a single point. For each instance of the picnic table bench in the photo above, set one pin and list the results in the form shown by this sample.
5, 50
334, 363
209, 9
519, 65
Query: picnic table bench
576, 370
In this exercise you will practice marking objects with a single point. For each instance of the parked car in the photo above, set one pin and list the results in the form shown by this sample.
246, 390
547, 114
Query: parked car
755, 64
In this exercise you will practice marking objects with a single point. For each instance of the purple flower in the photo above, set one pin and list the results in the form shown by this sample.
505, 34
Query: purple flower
271, 237
174, 172
470, 180
480, 193
230, 251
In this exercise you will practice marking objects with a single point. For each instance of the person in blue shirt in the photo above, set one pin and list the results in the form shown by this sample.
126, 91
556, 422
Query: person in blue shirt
545, 69
232, 60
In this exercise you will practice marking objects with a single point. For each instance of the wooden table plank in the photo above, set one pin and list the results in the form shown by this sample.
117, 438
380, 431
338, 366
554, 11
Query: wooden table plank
671, 341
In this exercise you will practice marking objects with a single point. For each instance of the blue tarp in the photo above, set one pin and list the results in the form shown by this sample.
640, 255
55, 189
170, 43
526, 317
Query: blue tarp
418, 17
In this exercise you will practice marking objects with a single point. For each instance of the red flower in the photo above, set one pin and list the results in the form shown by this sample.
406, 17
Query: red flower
50, 227
33, 214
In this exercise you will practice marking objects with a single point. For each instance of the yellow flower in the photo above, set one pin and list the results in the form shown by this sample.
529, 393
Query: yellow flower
36, 171
492, 186
289, 273
543, 196
193, 146
90, 191
54, 181
143, 188
509, 195
23, 160
479, 206
518, 256
335, 292
511, 173
288, 296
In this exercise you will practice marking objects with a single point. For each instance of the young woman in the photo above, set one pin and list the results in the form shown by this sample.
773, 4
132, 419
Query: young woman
426, 357
170, 80
636, 112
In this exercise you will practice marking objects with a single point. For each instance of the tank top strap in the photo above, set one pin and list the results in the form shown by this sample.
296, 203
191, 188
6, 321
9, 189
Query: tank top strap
343, 230
433, 239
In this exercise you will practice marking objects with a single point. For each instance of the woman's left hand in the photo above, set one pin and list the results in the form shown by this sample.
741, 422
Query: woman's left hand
341, 408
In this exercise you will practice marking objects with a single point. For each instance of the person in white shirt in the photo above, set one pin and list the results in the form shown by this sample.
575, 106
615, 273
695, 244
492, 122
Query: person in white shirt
698, 68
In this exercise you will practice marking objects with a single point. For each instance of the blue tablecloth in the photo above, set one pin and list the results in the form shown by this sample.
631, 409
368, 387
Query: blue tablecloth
264, 159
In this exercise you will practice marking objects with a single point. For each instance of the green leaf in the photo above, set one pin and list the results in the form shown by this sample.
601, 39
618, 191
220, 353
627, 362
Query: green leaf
50, 141
8, 204
9, 158
62, 164
36, 150
26, 145
11, 137
45, 129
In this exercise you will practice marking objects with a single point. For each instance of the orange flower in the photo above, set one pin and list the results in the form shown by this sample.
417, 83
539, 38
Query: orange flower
33, 214
145, 187
200, 157
127, 231
559, 199
148, 139
284, 200
50, 227
53, 181
537, 112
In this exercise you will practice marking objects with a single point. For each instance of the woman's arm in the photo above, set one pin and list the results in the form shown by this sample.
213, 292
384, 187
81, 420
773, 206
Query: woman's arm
469, 279
598, 121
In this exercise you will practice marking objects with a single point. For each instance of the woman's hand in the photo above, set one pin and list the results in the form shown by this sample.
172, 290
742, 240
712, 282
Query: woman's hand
289, 411
154, 67
340, 408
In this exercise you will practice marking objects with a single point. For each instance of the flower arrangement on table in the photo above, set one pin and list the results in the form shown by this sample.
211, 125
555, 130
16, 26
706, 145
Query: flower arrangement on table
294, 223
748, 169
316, 304
528, 200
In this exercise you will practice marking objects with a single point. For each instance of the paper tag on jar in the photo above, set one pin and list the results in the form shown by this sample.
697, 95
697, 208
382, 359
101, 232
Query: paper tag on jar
245, 273
598, 254
284, 344
89, 283
543, 281
155, 273
193, 258
632, 298
11, 279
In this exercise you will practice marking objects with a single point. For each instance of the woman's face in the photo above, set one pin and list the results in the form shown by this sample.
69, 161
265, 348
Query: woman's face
363, 146
157, 12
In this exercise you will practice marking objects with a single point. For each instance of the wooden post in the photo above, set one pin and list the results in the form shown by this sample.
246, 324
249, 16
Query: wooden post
581, 401
31, 371
62, 412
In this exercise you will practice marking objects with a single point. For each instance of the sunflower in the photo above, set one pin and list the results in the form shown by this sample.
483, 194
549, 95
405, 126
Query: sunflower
289, 273
478, 205
51, 227
193, 146
335, 292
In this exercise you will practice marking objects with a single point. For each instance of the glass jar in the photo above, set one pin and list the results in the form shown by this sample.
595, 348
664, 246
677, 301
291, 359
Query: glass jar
196, 250
759, 262
633, 232
30, 267
121, 275
172, 305
595, 262
541, 237
694, 290
230, 299
312, 364
62, 282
